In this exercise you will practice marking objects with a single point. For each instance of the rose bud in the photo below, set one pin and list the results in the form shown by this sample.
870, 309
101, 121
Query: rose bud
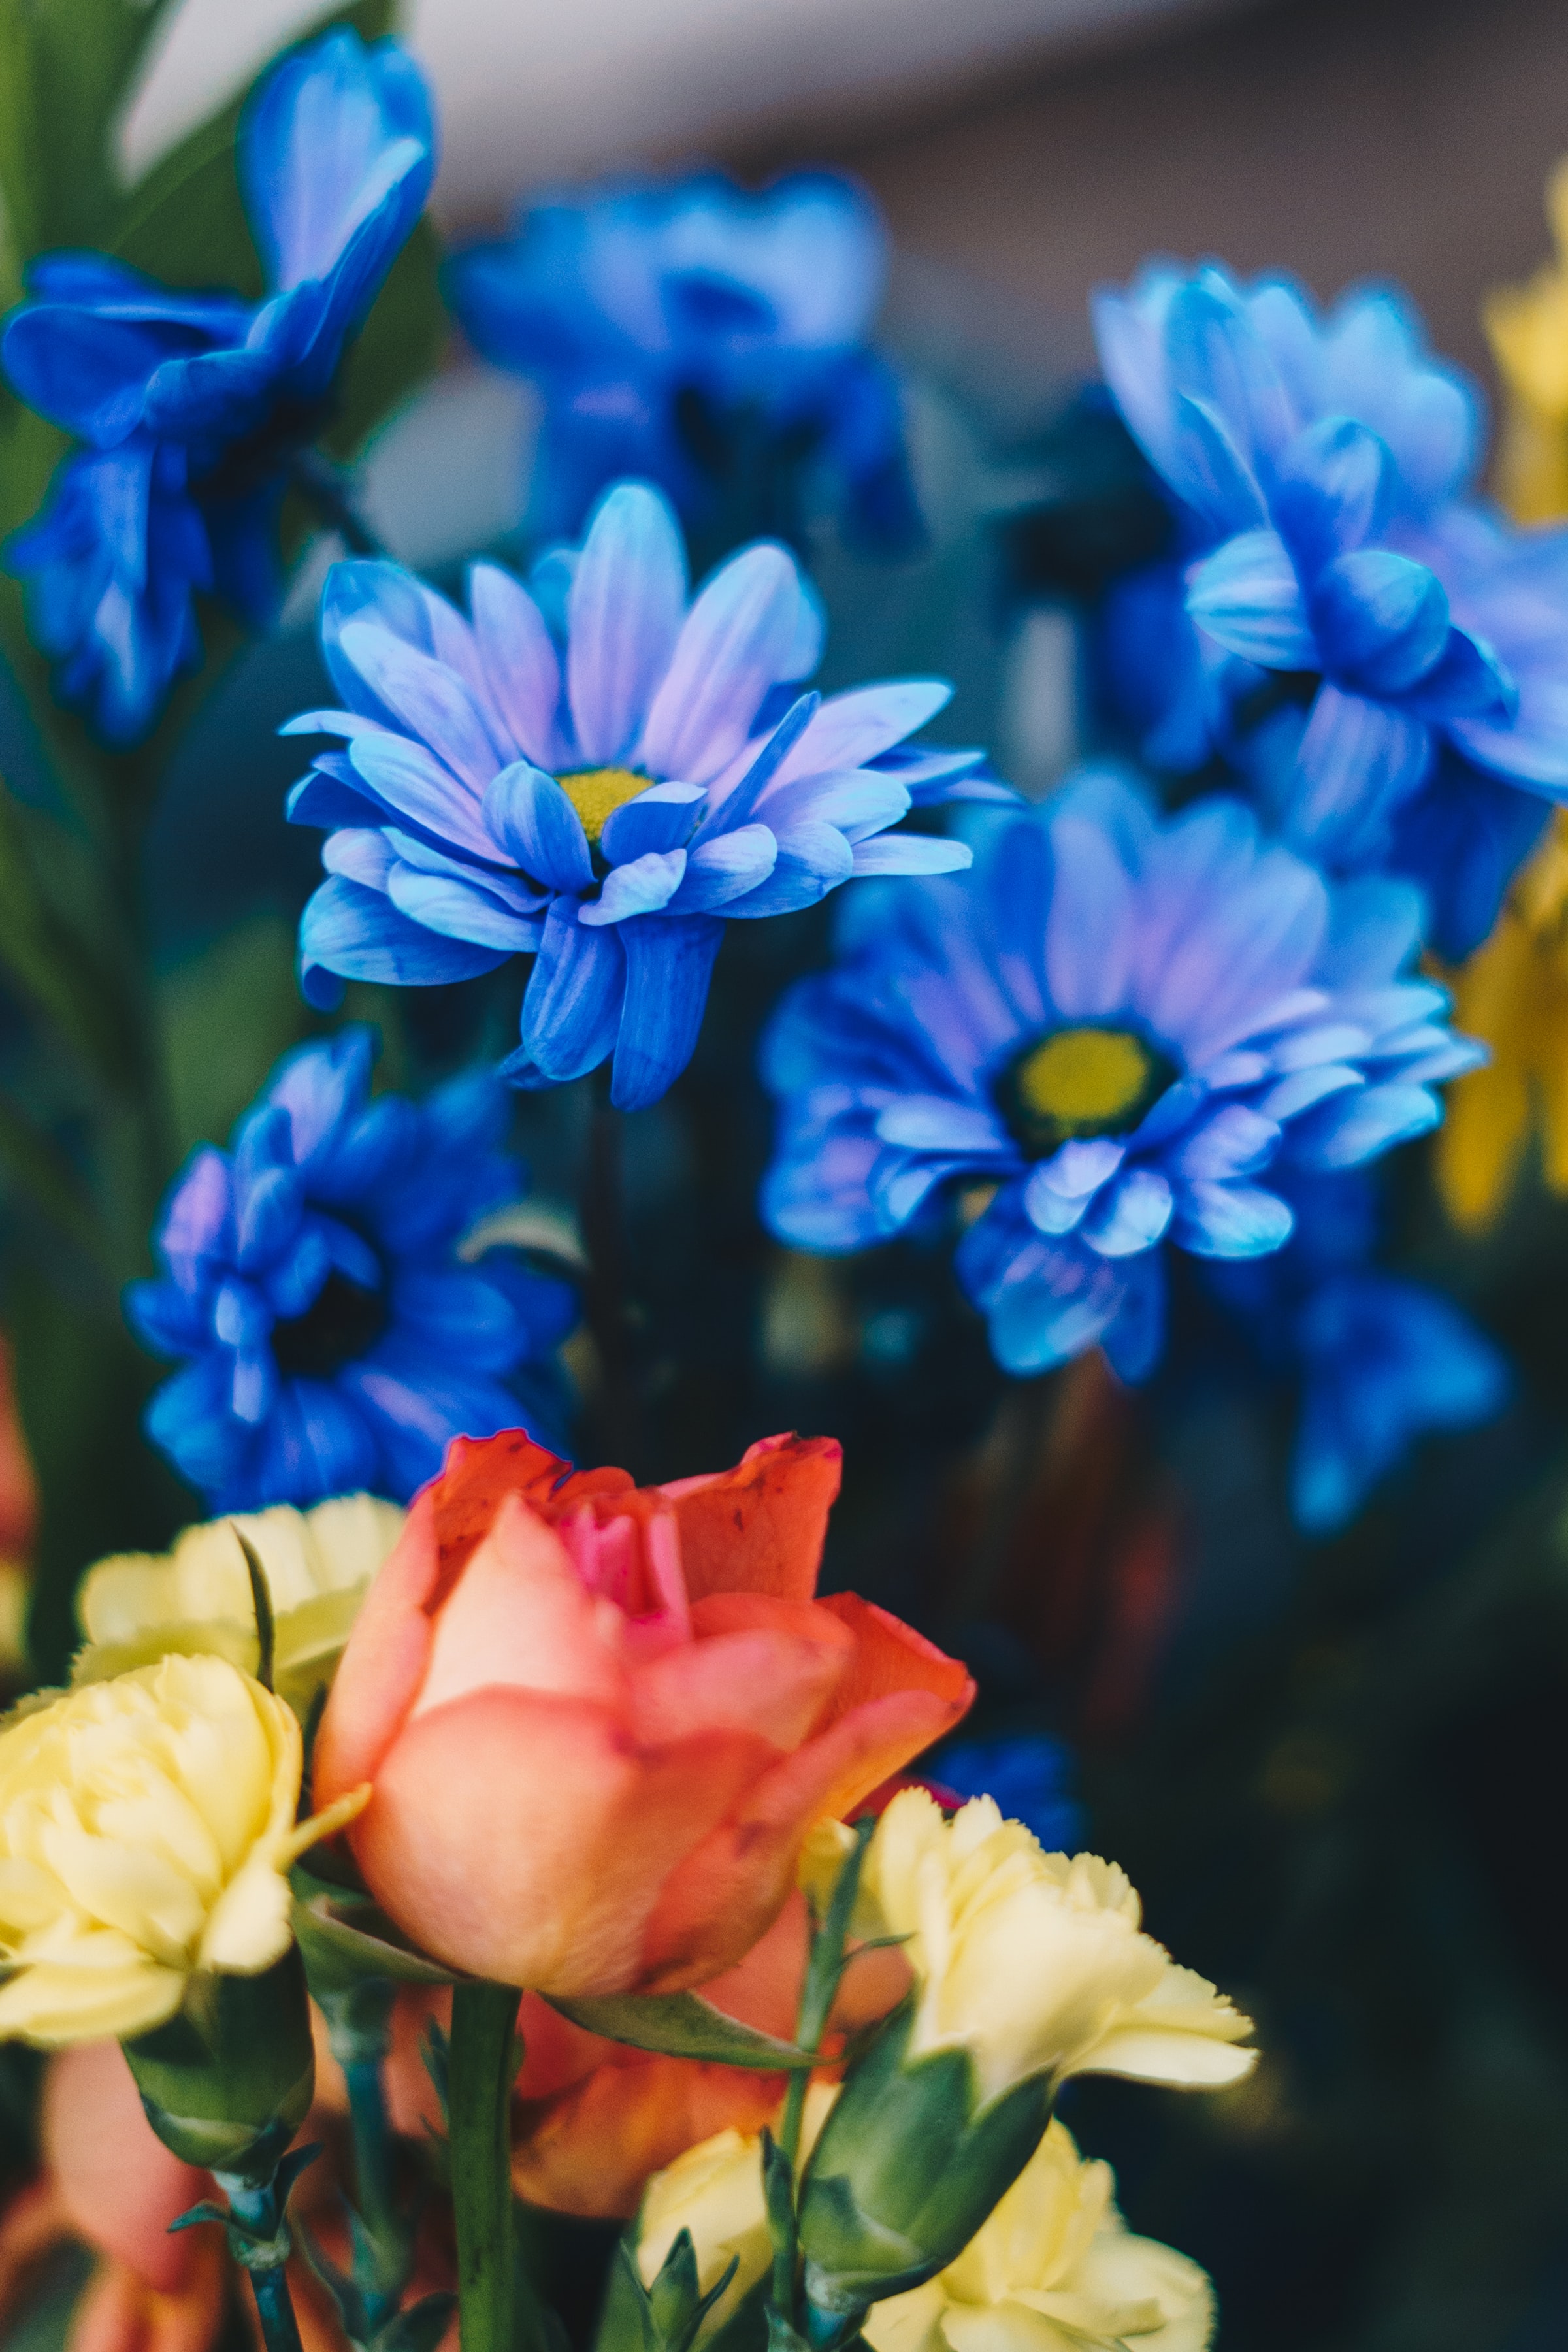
599, 1721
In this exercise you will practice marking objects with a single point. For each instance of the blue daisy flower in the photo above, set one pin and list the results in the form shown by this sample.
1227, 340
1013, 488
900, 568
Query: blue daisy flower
333, 1338
674, 330
336, 154
1379, 1361
1342, 626
1103, 1042
604, 799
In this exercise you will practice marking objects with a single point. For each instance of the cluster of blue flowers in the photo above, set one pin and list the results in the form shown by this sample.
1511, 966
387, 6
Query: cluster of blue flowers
693, 334
1122, 1034
331, 1335
191, 407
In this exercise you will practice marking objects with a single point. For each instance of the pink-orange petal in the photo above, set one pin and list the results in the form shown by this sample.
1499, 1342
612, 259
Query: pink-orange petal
773, 1684
760, 1527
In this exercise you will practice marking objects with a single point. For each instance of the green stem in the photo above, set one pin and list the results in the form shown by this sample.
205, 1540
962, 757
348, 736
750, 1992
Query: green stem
373, 2150
261, 2211
484, 2024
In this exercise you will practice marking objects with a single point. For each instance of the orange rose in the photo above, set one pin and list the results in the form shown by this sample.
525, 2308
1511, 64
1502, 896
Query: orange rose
599, 1719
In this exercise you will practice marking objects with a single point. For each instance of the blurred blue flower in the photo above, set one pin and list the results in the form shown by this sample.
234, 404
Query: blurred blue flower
335, 156
605, 800
1100, 1040
693, 331
1343, 627
1031, 1777
1380, 1361
333, 1339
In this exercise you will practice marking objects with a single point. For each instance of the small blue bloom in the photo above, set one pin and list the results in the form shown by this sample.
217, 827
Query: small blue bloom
1103, 1040
333, 1338
1380, 1361
1353, 631
670, 327
1031, 1777
336, 154
603, 798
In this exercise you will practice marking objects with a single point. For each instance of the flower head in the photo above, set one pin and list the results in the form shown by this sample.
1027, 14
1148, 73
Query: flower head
146, 1830
1116, 1026
1033, 1963
333, 1339
196, 402
673, 330
1055, 2269
600, 1719
197, 1598
1353, 626
604, 803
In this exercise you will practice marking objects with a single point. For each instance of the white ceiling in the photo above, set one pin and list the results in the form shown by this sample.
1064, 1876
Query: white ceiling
529, 89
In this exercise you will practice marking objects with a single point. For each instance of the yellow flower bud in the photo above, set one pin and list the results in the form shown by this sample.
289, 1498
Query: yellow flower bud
1053, 2269
715, 2190
146, 1830
1032, 1962
139, 1606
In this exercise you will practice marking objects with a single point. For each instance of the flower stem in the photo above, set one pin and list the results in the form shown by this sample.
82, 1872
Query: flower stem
275, 2308
259, 2211
484, 2024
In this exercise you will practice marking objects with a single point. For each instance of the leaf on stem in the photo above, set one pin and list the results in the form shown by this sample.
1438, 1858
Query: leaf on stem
682, 2025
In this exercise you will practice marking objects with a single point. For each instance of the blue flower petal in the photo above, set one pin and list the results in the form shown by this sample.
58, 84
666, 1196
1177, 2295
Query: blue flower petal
910, 852
1231, 1220
625, 615
413, 783
522, 668
534, 822
813, 859
1353, 1128
1129, 1215
733, 645
641, 888
357, 934
724, 868
1381, 619
572, 1008
1247, 596
461, 910
658, 819
669, 967
1331, 491
426, 697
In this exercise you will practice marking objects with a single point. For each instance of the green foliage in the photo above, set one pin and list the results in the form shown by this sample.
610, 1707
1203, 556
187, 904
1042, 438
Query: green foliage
682, 2025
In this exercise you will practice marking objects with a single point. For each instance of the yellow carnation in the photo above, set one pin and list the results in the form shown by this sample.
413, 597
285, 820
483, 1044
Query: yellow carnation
1053, 2269
146, 1830
139, 1606
1032, 1962
715, 2190
1527, 327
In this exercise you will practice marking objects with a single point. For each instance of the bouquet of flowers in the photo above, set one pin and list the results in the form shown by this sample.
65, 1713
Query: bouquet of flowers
486, 1893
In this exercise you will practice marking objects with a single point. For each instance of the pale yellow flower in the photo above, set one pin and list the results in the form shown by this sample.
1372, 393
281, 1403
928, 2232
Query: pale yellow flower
1527, 327
146, 1830
1512, 994
715, 2190
1053, 2269
139, 1606
1032, 1962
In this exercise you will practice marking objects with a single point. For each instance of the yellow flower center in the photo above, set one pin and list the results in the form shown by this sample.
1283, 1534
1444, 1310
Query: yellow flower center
597, 793
1081, 1081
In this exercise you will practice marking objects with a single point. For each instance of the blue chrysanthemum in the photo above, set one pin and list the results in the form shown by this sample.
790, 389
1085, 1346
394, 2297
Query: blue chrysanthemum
1380, 1362
1033, 1779
1342, 624
1119, 1026
204, 398
333, 1337
682, 333
606, 801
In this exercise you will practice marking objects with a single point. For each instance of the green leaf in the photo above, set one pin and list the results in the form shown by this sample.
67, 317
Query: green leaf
261, 1601
48, 953
345, 1937
38, 1165
65, 69
683, 2025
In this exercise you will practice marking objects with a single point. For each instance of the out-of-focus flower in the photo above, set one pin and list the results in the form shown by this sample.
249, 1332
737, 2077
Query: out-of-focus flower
18, 1527
1055, 2269
194, 404
1527, 327
600, 1719
333, 1338
146, 1830
711, 340
592, 2119
139, 1606
1118, 1026
1343, 624
1033, 1963
1030, 1777
1513, 993
604, 803
1381, 1360
120, 2186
